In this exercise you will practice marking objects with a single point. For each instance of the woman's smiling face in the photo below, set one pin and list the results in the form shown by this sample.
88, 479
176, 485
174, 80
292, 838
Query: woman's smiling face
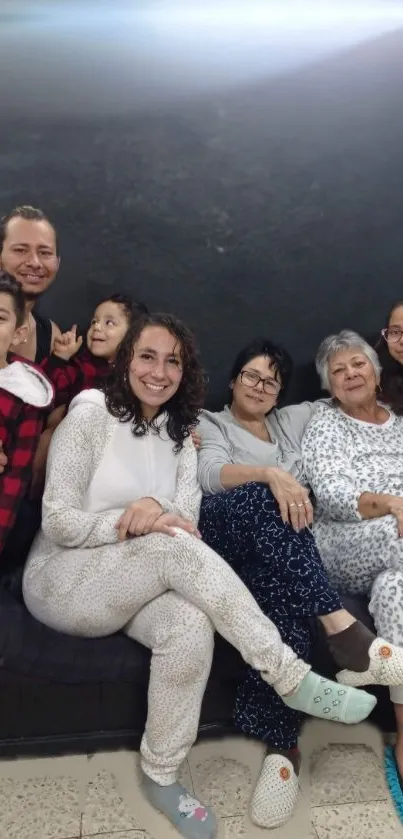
156, 369
352, 378
257, 387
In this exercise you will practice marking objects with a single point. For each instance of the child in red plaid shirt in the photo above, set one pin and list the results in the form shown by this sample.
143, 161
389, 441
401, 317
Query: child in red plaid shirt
25, 399
22, 423
73, 368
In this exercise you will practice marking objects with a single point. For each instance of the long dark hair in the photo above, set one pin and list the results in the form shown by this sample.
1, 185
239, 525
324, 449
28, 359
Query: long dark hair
392, 372
279, 357
183, 408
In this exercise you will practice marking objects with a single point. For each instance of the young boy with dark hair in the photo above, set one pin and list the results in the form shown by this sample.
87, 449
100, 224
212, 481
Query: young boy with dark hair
73, 368
25, 399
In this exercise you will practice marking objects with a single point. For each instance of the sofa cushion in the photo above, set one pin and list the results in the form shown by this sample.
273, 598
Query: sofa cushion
30, 648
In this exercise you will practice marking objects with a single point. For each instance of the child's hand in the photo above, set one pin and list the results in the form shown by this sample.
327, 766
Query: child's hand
67, 344
3, 459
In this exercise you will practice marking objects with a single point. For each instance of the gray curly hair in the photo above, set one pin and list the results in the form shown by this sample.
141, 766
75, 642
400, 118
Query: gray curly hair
344, 340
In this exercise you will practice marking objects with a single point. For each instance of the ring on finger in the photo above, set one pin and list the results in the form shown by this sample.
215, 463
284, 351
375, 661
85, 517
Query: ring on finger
301, 505
293, 504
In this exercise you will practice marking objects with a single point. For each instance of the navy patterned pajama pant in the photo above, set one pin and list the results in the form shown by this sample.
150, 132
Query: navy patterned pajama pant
285, 574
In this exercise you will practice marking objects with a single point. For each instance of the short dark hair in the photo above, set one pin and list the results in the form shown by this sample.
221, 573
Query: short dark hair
27, 213
8, 285
132, 308
183, 408
279, 357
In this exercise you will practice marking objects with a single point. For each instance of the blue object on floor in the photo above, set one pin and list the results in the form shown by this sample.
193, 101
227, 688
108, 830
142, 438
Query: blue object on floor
394, 781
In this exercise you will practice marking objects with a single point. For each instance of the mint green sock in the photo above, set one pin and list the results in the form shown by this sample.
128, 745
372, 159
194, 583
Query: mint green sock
319, 697
191, 819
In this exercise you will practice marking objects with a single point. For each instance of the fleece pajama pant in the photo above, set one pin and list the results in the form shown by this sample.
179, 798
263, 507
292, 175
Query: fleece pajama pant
169, 593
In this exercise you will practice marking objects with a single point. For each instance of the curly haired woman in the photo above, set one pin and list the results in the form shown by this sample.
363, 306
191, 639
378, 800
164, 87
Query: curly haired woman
119, 549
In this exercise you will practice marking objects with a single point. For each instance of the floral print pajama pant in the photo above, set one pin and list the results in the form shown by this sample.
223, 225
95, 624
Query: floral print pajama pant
285, 574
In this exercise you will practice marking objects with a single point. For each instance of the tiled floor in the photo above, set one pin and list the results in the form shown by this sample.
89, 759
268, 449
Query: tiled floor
73, 797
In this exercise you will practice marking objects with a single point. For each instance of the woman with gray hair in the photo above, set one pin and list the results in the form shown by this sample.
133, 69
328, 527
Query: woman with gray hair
353, 460
256, 514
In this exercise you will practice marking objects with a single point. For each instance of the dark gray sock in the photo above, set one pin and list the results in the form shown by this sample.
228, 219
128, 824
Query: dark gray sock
350, 647
190, 817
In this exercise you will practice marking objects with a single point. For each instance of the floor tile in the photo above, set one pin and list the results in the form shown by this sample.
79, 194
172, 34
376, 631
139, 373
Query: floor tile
44, 799
224, 774
224, 771
234, 828
114, 800
371, 820
238, 827
105, 810
342, 774
224, 783
127, 834
39, 808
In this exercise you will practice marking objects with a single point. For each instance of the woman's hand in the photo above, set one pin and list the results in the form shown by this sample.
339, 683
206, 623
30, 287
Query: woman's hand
196, 439
292, 498
375, 505
168, 521
396, 509
67, 345
139, 519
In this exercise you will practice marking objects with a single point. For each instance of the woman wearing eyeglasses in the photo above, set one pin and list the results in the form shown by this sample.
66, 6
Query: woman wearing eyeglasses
390, 351
256, 513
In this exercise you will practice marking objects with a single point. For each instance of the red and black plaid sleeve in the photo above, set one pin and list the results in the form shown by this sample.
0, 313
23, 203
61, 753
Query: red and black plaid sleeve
71, 377
20, 428
65, 377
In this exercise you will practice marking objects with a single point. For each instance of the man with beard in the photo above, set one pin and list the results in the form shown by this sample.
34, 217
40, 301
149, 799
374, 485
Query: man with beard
29, 252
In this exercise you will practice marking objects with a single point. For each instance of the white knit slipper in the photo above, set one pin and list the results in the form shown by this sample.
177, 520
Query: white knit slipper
385, 667
275, 797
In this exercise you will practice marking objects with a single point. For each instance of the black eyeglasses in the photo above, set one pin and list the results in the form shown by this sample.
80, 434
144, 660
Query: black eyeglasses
251, 379
392, 334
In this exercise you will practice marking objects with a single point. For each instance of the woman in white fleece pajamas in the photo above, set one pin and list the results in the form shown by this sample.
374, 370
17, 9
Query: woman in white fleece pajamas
119, 549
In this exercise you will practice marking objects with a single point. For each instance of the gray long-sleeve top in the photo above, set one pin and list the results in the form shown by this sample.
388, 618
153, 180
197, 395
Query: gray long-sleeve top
225, 441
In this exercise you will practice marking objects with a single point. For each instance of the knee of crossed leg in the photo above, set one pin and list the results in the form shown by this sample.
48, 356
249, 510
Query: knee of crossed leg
251, 498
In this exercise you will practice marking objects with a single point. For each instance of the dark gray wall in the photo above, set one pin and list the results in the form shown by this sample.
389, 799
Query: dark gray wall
275, 207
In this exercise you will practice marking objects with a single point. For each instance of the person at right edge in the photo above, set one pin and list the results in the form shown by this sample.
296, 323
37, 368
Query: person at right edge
353, 460
256, 513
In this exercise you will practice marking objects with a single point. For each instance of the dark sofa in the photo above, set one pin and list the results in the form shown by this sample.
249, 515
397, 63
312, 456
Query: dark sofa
61, 694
